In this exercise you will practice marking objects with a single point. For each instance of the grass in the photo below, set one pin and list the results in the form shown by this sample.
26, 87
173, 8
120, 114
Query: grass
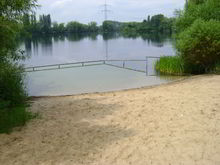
172, 65
217, 68
13, 117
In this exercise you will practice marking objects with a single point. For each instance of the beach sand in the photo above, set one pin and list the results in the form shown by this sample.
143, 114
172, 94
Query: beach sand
172, 124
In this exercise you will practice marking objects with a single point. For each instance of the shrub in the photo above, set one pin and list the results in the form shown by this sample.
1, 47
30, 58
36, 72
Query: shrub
13, 117
217, 68
13, 98
199, 46
172, 65
12, 87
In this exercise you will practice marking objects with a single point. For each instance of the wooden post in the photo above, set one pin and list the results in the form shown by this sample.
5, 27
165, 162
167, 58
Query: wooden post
123, 64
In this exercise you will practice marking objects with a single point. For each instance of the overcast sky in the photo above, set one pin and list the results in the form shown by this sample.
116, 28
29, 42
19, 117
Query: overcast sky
121, 10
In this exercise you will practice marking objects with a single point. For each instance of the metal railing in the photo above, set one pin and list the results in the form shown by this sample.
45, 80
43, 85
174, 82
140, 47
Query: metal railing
88, 63
63, 66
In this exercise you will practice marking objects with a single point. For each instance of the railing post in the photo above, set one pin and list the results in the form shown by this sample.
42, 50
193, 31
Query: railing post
146, 66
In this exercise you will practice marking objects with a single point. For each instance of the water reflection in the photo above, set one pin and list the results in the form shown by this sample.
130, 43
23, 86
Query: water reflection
59, 38
156, 39
75, 37
110, 36
48, 49
32, 45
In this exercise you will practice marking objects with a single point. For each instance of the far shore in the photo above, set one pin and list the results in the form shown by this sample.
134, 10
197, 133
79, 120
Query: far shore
174, 123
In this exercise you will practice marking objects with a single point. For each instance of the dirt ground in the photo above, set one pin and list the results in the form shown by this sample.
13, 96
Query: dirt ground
173, 124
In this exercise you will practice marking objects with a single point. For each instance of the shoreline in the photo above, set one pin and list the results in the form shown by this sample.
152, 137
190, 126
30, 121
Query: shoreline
185, 78
174, 123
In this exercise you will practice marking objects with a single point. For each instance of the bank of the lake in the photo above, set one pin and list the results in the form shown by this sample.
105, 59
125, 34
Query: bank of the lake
176, 123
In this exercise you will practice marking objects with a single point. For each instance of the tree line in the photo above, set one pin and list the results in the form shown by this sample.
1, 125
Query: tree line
157, 23
44, 25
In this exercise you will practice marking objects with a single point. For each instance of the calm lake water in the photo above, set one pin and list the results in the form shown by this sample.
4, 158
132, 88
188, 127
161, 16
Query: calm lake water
73, 48
77, 48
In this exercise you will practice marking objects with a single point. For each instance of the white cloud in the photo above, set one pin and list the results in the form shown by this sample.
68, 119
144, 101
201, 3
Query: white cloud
122, 10
60, 3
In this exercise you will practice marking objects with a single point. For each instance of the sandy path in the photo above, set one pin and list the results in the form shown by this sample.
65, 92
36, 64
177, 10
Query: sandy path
174, 124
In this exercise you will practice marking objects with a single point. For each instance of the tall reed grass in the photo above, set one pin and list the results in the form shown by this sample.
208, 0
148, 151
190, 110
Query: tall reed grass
172, 65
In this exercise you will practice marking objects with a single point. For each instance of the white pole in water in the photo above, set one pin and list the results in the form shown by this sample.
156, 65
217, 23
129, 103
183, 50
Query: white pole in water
146, 66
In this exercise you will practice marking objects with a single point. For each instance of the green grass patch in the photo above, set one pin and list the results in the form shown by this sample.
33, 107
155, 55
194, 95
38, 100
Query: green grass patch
13, 117
172, 65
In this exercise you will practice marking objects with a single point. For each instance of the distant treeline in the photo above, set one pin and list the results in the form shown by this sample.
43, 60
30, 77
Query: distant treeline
157, 23
44, 25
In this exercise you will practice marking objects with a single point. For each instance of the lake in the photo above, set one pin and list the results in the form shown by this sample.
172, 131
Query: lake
72, 48
83, 47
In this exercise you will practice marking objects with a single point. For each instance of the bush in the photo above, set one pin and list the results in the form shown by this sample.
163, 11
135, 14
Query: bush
13, 98
217, 68
13, 117
12, 87
199, 46
172, 65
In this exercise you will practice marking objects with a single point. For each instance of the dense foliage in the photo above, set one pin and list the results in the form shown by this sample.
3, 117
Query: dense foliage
199, 46
12, 98
198, 39
12, 84
198, 9
157, 23
12, 91
198, 36
32, 26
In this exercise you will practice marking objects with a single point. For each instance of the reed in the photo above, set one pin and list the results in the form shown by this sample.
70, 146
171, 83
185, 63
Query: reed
172, 65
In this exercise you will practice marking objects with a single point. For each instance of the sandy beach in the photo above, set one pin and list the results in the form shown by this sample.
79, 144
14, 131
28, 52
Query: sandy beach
171, 124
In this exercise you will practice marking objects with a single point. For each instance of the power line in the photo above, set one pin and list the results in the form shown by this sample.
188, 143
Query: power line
106, 10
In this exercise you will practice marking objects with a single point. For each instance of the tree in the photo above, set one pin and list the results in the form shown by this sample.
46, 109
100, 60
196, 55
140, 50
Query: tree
12, 91
198, 9
198, 35
58, 28
76, 27
62, 28
111, 26
148, 18
55, 27
9, 26
45, 23
156, 22
92, 27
